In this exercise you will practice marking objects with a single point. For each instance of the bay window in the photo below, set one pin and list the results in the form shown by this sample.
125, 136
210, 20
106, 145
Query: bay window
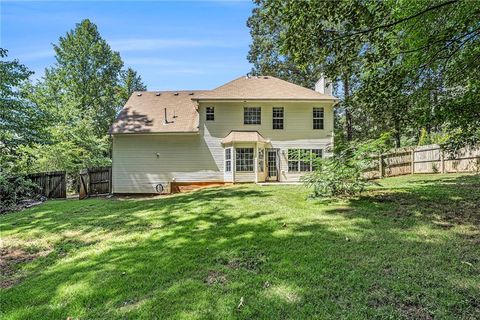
244, 159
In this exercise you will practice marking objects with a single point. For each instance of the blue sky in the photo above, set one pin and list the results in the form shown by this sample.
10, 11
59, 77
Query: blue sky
173, 45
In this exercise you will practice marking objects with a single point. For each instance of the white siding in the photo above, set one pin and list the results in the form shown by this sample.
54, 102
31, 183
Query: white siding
298, 132
137, 169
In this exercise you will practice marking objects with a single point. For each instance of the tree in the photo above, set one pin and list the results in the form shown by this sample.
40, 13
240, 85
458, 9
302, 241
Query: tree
80, 96
130, 82
265, 53
21, 123
17, 118
87, 73
409, 58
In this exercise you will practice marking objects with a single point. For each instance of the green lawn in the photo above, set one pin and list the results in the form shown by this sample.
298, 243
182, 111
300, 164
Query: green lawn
408, 248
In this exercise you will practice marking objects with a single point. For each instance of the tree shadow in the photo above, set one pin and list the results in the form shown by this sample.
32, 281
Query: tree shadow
443, 202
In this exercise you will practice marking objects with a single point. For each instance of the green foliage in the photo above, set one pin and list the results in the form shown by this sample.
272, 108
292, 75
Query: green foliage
13, 189
265, 53
403, 65
21, 122
87, 73
78, 99
343, 174
130, 82
335, 177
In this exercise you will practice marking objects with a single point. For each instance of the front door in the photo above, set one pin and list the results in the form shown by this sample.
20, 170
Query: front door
272, 165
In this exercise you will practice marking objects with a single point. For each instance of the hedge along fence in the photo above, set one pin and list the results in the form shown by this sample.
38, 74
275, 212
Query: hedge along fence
424, 159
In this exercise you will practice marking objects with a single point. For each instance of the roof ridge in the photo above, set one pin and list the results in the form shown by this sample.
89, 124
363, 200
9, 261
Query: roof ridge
155, 91
223, 85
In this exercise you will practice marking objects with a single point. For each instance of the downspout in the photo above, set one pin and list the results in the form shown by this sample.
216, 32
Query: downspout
234, 161
256, 163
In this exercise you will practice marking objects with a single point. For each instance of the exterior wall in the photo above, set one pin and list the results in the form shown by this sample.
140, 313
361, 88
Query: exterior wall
137, 169
298, 132
200, 157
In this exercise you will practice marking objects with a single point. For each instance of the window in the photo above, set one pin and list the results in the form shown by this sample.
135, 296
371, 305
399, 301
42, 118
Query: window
244, 159
303, 160
261, 159
316, 154
293, 160
317, 118
210, 114
277, 117
252, 115
228, 160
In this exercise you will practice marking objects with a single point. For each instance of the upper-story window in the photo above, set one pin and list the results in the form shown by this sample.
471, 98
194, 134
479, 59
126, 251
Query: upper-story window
210, 113
318, 118
277, 117
252, 115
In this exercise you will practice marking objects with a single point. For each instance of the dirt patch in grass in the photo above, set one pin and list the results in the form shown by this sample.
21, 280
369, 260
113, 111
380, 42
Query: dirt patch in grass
380, 297
251, 263
10, 261
414, 311
216, 277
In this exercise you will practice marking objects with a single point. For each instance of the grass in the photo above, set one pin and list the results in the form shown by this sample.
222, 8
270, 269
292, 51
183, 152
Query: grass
408, 248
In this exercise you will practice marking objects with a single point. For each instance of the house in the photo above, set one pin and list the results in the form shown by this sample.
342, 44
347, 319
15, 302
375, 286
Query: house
251, 129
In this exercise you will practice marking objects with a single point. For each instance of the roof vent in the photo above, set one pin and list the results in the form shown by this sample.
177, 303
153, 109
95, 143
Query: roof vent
158, 94
175, 94
139, 94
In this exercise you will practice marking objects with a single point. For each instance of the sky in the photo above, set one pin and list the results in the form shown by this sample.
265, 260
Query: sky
173, 45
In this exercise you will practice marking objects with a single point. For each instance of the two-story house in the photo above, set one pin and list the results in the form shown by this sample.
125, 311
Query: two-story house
252, 129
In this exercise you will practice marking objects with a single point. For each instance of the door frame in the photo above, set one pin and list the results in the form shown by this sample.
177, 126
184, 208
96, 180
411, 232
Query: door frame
277, 164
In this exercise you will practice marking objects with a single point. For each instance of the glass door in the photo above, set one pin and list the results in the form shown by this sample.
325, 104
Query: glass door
272, 164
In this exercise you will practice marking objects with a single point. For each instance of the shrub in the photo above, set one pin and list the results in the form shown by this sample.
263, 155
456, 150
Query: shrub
336, 176
14, 189
343, 174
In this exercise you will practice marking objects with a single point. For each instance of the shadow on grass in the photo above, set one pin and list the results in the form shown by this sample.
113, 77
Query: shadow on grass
445, 202
197, 255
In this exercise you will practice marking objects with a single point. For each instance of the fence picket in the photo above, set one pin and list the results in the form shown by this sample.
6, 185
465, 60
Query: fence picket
425, 159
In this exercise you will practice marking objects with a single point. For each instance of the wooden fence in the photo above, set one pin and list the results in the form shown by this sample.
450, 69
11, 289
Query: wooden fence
95, 181
424, 159
52, 185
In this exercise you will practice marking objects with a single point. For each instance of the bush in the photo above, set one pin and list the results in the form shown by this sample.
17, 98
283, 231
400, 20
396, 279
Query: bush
14, 189
336, 176
343, 174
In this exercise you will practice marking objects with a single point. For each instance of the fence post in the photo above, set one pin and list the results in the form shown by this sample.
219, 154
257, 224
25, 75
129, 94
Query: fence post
442, 160
380, 165
110, 180
413, 161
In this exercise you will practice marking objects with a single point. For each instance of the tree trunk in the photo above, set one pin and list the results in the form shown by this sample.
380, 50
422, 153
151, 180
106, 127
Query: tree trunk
397, 134
348, 114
